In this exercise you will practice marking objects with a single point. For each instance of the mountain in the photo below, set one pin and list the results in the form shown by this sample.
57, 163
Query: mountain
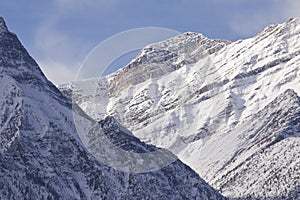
266, 162
231, 113
43, 157
153, 61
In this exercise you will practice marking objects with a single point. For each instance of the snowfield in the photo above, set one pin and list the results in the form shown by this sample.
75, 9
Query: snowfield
230, 110
42, 155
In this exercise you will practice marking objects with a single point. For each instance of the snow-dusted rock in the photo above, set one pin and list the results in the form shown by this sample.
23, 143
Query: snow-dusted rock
220, 111
42, 156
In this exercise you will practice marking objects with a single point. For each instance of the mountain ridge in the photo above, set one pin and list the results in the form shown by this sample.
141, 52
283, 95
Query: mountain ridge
42, 155
203, 110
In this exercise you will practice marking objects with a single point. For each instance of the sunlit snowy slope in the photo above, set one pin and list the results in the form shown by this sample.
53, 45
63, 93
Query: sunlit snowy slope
228, 110
42, 156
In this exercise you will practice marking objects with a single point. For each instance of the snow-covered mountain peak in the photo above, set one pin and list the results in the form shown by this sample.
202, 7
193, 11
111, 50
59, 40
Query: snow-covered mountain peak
216, 110
290, 94
15, 60
42, 157
187, 45
284, 30
3, 27
164, 57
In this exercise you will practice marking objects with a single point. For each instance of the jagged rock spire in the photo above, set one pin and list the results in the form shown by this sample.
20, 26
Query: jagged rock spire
3, 27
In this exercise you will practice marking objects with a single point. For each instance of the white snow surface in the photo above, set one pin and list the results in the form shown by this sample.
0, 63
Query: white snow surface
42, 156
213, 107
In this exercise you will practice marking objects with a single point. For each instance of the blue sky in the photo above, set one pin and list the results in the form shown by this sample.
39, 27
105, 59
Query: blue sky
59, 34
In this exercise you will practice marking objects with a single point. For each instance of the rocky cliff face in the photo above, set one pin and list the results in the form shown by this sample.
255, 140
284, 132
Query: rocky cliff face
42, 156
224, 112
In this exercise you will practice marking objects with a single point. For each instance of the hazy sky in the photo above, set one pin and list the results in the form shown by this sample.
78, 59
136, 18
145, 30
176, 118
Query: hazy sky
59, 34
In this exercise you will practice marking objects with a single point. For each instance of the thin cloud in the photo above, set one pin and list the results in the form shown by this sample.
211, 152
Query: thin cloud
70, 29
57, 72
248, 23
58, 54
291, 9
250, 26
